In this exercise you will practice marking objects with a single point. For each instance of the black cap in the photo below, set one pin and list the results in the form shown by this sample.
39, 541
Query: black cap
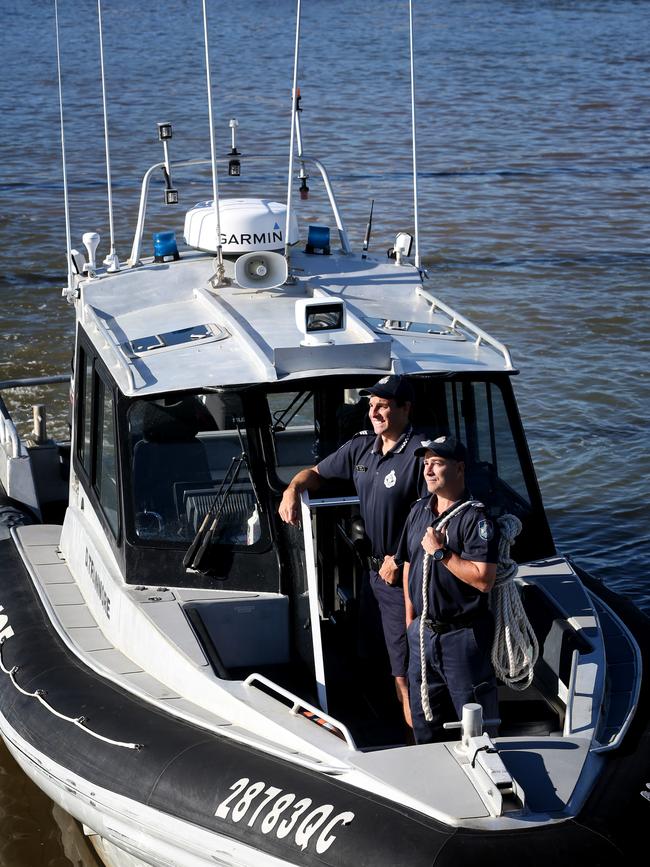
396, 387
444, 447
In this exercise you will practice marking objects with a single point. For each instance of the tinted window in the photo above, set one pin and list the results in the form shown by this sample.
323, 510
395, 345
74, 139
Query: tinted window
185, 462
105, 456
84, 409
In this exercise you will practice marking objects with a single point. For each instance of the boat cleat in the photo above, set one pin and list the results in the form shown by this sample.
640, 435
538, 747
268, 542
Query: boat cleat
482, 763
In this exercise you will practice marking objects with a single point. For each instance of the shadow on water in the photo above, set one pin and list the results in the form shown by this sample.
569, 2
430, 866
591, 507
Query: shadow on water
34, 832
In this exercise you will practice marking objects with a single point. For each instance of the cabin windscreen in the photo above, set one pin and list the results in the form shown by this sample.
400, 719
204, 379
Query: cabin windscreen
310, 424
187, 456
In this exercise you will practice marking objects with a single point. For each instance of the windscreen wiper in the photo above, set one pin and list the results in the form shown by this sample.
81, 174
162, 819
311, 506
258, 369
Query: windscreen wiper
200, 543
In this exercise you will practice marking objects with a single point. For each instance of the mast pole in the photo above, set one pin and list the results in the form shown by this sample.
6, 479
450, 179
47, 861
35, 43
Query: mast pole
294, 103
213, 153
111, 260
66, 204
413, 137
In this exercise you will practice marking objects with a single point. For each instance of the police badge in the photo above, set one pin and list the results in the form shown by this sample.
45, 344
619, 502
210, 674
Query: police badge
390, 479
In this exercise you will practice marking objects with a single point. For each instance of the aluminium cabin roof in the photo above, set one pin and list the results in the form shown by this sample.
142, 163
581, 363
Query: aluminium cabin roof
163, 327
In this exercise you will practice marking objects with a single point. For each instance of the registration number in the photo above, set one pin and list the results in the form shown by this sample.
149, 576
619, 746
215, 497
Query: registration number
283, 814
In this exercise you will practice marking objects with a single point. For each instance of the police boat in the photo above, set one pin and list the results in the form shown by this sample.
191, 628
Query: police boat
180, 670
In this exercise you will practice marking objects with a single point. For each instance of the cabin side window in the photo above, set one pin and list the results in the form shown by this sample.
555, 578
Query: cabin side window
96, 439
105, 473
84, 402
477, 414
295, 432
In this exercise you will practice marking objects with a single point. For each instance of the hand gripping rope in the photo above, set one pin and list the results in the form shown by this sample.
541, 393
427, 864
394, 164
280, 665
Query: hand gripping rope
514, 649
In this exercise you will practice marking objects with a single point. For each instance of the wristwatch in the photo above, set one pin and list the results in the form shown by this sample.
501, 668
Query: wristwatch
440, 553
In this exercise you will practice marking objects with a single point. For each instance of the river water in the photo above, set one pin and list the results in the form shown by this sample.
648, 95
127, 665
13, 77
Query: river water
534, 174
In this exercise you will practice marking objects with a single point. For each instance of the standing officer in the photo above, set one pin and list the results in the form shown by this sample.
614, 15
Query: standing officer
388, 480
456, 634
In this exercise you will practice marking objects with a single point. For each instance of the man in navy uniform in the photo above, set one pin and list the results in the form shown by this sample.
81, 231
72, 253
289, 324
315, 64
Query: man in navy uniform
458, 627
388, 479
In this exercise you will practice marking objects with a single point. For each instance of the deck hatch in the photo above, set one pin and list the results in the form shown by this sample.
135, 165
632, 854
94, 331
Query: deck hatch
179, 337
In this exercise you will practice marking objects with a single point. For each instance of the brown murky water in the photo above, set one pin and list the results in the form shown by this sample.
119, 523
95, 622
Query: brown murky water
534, 217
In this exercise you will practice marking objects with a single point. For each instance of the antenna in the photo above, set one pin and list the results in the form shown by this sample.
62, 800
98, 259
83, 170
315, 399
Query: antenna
294, 109
111, 260
366, 240
220, 273
68, 244
415, 159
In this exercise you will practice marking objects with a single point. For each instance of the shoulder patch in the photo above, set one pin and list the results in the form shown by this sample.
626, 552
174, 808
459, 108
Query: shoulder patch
485, 529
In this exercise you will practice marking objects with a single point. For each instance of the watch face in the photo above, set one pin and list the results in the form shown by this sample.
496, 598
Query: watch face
439, 554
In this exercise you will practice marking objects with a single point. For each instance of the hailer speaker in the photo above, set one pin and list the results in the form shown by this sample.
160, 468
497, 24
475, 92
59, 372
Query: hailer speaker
261, 270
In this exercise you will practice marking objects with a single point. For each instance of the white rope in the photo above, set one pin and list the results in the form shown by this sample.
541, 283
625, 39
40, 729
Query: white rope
424, 686
515, 648
40, 694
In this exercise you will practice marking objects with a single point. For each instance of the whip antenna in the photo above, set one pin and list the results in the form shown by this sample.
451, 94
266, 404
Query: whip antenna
415, 159
294, 109
66, 206
213, 155
111, 260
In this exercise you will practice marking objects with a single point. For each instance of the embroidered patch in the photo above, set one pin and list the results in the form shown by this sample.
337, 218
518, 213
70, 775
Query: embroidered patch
485, 530
361, 469
384, 380
390, 479
442, 439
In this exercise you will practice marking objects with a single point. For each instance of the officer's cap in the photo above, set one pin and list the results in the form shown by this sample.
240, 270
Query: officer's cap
396, 387
443, 447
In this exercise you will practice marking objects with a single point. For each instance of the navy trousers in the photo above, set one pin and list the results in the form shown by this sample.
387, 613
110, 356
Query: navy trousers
459, 672
390, 598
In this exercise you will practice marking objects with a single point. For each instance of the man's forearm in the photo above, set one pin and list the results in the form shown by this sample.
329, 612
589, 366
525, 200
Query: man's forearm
308, 479
478, 575
408, 605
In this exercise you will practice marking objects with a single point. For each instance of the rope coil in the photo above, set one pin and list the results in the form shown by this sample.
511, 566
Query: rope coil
515, 648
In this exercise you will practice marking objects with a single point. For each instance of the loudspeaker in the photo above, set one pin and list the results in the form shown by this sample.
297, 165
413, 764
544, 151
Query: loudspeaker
261, 270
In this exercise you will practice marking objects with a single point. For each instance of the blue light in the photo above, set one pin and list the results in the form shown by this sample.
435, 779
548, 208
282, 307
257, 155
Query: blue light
318, 240
164, 246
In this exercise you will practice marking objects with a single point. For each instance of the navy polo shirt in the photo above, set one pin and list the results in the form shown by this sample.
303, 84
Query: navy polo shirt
387, 485
472, 535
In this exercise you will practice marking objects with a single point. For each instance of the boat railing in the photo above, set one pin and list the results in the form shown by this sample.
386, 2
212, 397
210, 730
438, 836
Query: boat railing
465, 323
112, 344
136, 248
9, 437
299, 706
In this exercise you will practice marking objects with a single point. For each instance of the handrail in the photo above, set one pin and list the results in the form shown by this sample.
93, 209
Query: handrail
28, 381
134, 259
299, 703
113, 346
458, 318
571, 693
636, 691
8, 432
